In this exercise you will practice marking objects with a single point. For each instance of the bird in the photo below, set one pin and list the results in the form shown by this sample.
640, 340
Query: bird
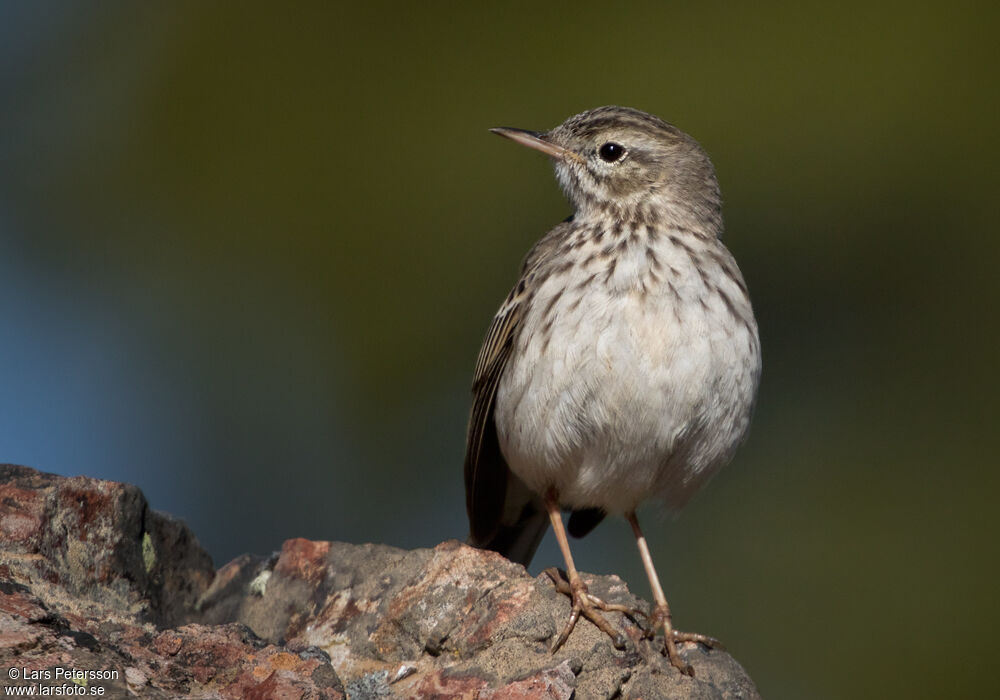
624, 363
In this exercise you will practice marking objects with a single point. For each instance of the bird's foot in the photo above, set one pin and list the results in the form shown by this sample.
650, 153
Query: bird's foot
671, 638
588, 605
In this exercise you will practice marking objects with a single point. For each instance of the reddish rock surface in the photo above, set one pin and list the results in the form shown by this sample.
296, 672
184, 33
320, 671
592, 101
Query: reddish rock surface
92, 580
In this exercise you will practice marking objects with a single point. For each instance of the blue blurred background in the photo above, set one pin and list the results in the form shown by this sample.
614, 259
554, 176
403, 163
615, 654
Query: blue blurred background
247, 258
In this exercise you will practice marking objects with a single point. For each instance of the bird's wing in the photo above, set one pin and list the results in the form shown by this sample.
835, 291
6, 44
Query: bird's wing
486, 471
488, 481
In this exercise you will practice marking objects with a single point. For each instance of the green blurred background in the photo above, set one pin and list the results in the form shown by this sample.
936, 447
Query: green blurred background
247, 257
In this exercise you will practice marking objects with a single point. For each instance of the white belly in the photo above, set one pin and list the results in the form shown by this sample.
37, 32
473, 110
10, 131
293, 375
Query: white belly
627, 396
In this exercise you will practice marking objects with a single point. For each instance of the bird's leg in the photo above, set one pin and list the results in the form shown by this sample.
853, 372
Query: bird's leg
582, 601
661, 614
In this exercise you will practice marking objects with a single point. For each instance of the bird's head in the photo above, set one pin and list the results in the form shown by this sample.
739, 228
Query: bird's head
620, 162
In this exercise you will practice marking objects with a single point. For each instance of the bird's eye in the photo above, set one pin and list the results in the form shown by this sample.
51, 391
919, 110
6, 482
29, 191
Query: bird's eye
610, 152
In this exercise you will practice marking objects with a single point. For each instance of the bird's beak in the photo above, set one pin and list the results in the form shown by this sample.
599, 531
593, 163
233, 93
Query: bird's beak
536, 140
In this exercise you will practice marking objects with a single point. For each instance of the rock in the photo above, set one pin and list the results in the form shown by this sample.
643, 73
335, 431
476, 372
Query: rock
92, 580
99, 545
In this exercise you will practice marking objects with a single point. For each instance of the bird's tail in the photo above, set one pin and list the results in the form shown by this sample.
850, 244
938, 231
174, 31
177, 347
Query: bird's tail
518, 540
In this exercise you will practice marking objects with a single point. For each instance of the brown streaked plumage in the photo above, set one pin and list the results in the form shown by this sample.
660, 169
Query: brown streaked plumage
623, 365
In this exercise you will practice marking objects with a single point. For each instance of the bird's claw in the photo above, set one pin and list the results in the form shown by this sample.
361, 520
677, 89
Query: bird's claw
671, 638
583, 602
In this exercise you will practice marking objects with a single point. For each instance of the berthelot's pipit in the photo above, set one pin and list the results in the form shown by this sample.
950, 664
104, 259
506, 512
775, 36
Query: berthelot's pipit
623, 365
